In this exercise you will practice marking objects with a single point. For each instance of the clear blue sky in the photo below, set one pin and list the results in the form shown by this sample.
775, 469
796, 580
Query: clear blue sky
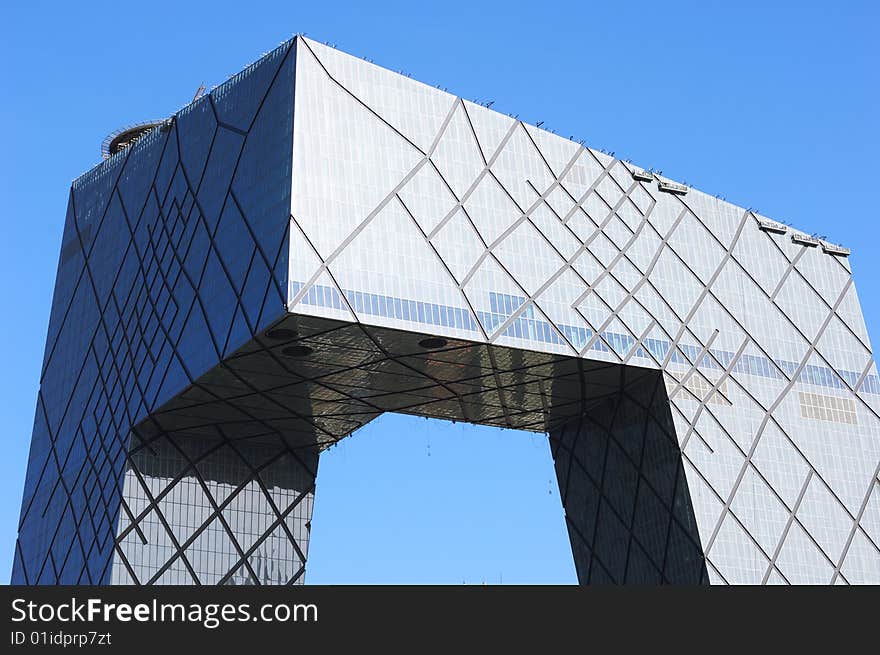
774, 105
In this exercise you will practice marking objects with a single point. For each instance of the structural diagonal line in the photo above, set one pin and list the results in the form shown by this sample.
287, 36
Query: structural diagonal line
366, 221
779, 398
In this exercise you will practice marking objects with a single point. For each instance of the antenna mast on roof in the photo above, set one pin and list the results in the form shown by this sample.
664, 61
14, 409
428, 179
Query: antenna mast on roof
199, 92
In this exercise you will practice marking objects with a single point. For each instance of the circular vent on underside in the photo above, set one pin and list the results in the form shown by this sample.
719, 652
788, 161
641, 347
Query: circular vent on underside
281, 334
432, 343
297, 351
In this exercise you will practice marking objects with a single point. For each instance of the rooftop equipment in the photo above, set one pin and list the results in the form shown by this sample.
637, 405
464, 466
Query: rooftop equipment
672, 187
805, 240
834, 249
771, 226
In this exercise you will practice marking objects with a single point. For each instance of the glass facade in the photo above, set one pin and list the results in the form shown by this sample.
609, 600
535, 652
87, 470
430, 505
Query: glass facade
320, 240
174, 255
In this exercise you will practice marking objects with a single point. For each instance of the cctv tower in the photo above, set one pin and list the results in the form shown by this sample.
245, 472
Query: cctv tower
319, 240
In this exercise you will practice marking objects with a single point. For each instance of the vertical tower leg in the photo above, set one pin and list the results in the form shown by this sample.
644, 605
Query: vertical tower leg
214, 510
622, 484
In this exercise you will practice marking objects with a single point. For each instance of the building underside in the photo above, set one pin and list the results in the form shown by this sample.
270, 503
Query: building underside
239, 449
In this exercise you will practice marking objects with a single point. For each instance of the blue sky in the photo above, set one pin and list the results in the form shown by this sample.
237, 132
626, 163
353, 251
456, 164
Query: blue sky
772, 104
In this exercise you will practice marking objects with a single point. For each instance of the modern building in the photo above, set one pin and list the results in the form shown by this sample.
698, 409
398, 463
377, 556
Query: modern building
320, 240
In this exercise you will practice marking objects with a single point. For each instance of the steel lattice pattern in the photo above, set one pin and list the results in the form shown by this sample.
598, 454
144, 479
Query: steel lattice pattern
256, 280
173, 255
